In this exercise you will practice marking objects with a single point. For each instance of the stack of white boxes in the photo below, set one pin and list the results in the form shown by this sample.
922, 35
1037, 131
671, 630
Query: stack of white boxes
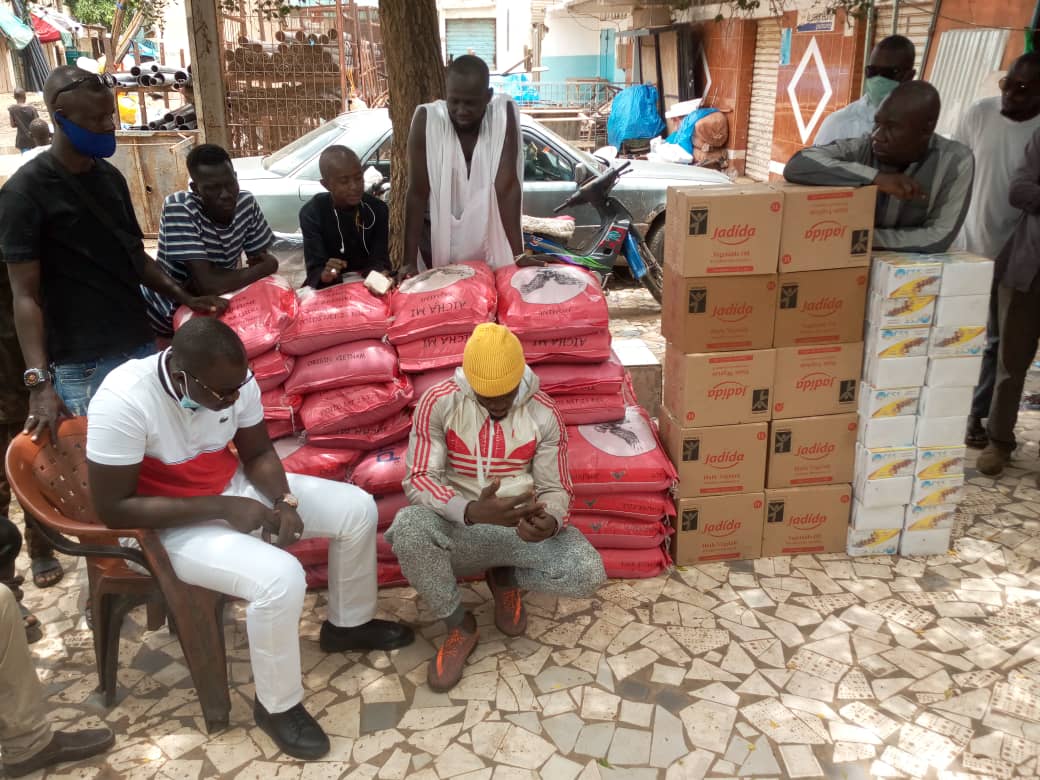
925, 334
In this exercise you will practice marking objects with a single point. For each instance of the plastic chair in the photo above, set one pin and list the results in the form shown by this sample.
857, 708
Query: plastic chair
50, 482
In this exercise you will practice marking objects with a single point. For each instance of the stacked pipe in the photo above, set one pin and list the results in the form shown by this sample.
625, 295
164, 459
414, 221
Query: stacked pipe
182, 118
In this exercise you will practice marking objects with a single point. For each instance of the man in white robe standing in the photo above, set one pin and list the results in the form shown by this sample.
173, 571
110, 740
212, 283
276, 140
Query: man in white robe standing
465, 168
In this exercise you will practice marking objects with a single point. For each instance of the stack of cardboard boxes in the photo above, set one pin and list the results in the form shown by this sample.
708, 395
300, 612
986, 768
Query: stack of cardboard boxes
765, 290
926, 331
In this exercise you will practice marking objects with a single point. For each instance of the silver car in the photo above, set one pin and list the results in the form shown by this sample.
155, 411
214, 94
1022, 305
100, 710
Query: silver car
282, 182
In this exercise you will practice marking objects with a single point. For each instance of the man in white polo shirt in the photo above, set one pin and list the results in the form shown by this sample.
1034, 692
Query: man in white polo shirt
159, 456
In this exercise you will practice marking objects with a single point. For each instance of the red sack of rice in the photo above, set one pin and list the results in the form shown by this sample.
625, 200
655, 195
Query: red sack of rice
279, 429
557, 300
449, 300
344, 365
384, 552
259, 314
588, 409
581, 378
638, 506
335, 315
321, 462
381, 472
587, 348
604, 531
388, 507
368, 437
332, 411
310, 552
271, 369
424, 381
635, 564
279, 405
431, 353
618, 457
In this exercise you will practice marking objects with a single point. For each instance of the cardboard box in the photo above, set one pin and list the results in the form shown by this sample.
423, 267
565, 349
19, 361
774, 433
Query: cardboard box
885, 462
929, 518
820, 307
806, 520
716, 460
880, 518
723, 388
925, 542
937, 492
826, 227
723, 230
961, 311
719, 528
812, 451
897, 402
914, 312
954, 372
957, 342
883, 432
904, 276
718, 314
941, 431
885, 343
890, 373
879, 493
879, 541
965, 274
945, 401
811, 381
939, 462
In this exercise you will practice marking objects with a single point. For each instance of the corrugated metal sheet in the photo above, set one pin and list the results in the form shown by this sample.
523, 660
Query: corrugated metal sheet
763, 99
913, 22
963, 60
461, 35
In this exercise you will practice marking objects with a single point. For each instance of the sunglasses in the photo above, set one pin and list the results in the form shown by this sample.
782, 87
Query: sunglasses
221, 398
891, 73
1007, 85
106, 80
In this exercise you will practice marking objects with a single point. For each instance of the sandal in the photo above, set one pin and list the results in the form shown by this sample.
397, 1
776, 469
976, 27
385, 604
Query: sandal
46, 572
29, 620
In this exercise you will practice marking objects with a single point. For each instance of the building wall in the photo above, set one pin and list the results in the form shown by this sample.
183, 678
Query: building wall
729, 55
512, 25
570, 48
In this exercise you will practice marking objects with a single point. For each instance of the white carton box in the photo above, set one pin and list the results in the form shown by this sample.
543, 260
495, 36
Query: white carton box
925, 542
962, 310
876, 519
885, 463
897, 402
965, 274
945, 400
901, 276
878, 493
939, 462
896, 343
954, 371
880, 541
901, 312
941, 431
929, 518
887, 432
889, 373
961, 341
936, 492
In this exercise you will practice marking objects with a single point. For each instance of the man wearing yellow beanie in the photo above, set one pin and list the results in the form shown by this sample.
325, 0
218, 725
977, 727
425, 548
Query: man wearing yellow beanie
490, 492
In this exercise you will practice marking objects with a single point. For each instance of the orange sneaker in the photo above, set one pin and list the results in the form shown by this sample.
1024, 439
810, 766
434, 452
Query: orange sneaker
510, 615
446, 667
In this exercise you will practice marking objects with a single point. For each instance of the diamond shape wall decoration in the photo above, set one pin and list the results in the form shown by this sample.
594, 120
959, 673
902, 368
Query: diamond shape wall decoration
812, 52
707, 75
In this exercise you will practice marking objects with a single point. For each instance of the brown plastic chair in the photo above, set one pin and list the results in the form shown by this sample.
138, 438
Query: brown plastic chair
51, 485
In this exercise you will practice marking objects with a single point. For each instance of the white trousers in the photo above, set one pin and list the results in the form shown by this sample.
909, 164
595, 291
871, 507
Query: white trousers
216, 556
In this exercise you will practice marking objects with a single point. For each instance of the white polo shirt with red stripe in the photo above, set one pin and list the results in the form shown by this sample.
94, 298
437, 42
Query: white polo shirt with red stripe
136, 417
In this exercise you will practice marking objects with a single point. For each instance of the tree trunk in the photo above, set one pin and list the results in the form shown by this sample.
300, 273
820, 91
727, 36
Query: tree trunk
415, 74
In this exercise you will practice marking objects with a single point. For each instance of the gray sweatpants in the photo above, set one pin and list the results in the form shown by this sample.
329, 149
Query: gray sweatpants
433, 552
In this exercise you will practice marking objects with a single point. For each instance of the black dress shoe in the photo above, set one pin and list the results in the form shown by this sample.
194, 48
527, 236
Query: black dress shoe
373, 635
64, 746
294, 731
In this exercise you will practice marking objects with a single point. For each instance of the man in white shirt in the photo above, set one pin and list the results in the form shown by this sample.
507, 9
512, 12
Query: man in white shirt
891, 64
997, 130
159, 456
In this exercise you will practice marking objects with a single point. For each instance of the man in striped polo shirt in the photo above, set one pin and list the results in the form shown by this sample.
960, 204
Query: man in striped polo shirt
204, 232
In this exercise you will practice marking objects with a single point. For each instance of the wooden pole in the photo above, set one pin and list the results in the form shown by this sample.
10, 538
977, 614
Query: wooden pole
207, 70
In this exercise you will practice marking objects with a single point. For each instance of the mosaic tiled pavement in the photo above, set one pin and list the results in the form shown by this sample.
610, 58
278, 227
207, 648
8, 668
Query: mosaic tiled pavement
808, 666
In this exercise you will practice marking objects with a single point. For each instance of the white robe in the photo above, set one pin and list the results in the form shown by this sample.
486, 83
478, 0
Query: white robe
465, 223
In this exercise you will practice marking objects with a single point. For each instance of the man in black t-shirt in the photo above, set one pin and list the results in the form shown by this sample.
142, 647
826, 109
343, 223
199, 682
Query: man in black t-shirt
74, 253
344, 230
22, 116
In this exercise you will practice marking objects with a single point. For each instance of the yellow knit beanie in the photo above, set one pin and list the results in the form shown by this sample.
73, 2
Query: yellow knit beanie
493, 361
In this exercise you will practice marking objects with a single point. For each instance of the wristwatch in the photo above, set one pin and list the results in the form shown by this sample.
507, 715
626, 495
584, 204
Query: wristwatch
35, 377
289, 500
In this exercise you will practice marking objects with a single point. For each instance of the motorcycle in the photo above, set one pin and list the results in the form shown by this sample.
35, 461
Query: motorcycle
616, 237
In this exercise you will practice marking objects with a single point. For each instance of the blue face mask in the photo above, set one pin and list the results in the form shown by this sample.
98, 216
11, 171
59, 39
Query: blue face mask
87, 142
186, 400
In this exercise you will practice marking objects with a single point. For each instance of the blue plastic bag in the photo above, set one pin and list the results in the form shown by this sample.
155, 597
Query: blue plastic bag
684, 135
634, 115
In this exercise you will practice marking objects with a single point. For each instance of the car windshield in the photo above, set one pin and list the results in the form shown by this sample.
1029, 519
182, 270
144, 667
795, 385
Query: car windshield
591, 162
292, 156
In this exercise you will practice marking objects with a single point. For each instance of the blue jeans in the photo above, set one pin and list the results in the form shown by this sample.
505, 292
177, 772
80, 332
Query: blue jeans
76, 383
